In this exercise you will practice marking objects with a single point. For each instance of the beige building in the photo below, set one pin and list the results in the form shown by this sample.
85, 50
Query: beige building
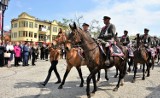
29, 28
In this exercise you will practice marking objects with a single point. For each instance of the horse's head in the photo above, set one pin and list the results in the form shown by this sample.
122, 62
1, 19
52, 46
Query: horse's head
74, 36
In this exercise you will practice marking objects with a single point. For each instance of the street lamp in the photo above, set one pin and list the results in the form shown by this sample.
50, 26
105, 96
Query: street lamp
3, 6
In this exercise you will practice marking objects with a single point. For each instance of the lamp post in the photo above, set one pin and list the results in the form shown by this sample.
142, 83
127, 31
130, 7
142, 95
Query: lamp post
3, 6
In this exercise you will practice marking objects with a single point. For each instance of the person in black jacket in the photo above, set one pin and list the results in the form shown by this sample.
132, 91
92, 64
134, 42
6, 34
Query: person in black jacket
42, 52
33, 53
46, 52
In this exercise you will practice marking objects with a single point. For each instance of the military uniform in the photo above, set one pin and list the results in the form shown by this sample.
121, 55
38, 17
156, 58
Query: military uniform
107, 32
125, 40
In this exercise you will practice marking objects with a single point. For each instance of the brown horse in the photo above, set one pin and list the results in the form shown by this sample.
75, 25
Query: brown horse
141, 56
95, 58
72, 55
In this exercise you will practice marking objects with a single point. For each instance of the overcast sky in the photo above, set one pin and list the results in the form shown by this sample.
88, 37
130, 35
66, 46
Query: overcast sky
131, 15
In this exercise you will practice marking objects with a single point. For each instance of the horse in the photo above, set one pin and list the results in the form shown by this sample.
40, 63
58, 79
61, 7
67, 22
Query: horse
72, 55
141, 56
95, 57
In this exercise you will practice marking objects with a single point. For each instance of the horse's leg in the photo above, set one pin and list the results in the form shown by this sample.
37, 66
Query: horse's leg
65, 76
143, 78
80, 75
152, 63
115, 76
130, 63
94, 84
122, 72
98, 76
91, 75
106, 75
135, 71
148, 69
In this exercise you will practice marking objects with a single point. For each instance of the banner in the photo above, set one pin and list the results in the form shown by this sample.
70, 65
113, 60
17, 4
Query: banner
0, 20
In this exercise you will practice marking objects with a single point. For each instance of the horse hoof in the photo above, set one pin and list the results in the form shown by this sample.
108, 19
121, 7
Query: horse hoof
115, 89
60, 87
148, 75
121, 84
143, 78
81, 85
115, 76
107, 79
133, 81
88, 96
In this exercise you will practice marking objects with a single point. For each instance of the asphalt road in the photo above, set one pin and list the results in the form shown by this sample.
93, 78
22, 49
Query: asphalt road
24, 82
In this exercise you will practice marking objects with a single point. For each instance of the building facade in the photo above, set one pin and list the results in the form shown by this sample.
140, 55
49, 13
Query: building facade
29, 28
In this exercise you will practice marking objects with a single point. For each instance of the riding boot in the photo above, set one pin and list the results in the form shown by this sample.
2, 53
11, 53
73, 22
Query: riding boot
107, 62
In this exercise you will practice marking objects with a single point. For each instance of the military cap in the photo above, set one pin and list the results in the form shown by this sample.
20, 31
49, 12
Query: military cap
106, 17
145, 29
126, 31
85, 24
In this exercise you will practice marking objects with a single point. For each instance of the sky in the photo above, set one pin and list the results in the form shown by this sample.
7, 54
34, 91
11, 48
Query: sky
131, 15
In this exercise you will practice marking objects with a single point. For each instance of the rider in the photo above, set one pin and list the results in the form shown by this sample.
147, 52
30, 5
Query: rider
85, 27
125, 38
146, 38
107, 33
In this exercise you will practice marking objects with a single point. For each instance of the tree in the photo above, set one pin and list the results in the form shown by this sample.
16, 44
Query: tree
95, 28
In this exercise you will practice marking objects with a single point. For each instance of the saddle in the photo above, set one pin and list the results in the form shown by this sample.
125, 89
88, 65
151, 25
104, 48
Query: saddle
114, 49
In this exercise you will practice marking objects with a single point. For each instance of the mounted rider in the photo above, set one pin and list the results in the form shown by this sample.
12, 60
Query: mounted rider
85, 28
125, 38
146, 39
107, 34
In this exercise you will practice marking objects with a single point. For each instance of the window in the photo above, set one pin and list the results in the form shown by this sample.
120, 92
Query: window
26, 24
54, 29
36, 25
15, 35
23, 34
35, 35
20, 34
30, 34
26, 33
15, 25
23, 24
31, 24
49, 27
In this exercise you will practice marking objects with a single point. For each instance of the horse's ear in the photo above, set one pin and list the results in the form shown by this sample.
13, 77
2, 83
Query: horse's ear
71, 27
74, 25
116, 34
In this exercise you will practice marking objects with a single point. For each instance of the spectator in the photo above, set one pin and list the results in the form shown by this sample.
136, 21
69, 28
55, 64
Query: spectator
33, 53
25, 54
17, 52
9, 49
46, 52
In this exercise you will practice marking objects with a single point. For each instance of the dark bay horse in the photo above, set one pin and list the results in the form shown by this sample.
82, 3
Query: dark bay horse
74, 59
141, 56
95, 58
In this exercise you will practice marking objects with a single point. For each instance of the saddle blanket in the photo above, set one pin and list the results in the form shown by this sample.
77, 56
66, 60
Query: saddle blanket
116, 51
130, 50
153, 51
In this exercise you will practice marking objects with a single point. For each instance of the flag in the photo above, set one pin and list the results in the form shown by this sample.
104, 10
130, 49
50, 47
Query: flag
0, 20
